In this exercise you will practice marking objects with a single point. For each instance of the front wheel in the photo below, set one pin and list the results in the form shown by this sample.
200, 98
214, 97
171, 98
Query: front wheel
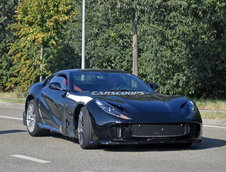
32, 119
85, 131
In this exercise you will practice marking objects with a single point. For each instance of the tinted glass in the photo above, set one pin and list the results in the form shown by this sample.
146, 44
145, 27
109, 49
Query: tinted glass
62, 80
47, 81
105, 81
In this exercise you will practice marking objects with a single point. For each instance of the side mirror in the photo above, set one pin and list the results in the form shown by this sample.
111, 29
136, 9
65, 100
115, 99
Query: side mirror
154, 86
55, 86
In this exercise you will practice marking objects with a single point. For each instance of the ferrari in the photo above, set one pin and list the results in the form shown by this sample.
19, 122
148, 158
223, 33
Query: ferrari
109, 107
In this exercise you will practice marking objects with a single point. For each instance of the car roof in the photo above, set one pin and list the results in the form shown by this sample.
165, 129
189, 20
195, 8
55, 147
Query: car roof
89, 70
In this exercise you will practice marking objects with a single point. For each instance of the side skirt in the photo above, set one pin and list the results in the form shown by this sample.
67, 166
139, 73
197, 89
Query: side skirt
45, 126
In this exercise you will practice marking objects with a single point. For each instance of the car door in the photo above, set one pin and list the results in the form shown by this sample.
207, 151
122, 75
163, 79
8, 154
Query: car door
55, 100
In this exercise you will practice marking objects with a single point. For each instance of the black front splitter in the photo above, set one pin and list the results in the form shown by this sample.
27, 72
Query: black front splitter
148, 142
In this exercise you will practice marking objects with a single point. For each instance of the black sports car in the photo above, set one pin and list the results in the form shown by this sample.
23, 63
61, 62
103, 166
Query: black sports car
109, 107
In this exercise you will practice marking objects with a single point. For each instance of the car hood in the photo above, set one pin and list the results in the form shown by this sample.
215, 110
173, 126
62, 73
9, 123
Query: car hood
146, 107
152, 107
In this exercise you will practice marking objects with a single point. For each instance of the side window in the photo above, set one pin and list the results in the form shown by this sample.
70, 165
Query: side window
62, 80
47, 81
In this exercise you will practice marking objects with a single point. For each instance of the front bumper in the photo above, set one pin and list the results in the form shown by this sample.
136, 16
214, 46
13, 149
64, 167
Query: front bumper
108, 129
115, 134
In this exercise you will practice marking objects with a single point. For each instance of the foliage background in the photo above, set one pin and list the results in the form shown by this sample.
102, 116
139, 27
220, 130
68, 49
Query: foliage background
182, 43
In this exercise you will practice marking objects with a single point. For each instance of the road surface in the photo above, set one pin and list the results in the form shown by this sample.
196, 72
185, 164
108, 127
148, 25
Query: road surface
21, 152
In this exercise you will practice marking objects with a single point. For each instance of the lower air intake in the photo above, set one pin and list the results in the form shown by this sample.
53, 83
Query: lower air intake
157, 130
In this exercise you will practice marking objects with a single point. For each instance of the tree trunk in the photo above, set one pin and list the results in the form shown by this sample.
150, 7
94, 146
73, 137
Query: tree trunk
135, 44
41, 60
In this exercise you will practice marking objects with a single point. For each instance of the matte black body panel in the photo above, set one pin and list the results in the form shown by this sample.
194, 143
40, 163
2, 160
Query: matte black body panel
59, 111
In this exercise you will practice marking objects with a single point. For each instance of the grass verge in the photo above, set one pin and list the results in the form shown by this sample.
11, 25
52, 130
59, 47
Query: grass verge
213, 115
211, 104
12, 100
12, 95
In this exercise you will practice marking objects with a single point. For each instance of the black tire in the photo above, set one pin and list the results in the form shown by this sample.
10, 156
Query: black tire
32, 120
85, 131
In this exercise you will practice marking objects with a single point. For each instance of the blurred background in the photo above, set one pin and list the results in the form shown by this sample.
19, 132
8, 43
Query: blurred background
181, 44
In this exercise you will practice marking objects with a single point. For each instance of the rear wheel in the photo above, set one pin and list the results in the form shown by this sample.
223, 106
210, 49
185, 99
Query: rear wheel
85, 131
32, 119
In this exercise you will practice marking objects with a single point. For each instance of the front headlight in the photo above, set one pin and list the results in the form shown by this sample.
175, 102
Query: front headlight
192, 107
111, 110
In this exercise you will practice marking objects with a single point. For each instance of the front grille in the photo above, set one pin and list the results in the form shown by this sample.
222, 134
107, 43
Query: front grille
159, 130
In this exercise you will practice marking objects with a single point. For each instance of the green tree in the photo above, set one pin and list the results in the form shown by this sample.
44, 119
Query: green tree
110, 32
182, 48
40, 29
108, 43
180, 43
6, 37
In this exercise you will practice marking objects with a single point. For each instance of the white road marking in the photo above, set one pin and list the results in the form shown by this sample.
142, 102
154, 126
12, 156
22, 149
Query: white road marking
8, 117
214, 126
30, 158
11, 107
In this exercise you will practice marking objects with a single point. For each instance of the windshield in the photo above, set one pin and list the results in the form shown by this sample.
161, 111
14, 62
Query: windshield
107, 81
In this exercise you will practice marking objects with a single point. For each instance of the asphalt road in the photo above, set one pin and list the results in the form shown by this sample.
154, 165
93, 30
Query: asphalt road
57, 153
